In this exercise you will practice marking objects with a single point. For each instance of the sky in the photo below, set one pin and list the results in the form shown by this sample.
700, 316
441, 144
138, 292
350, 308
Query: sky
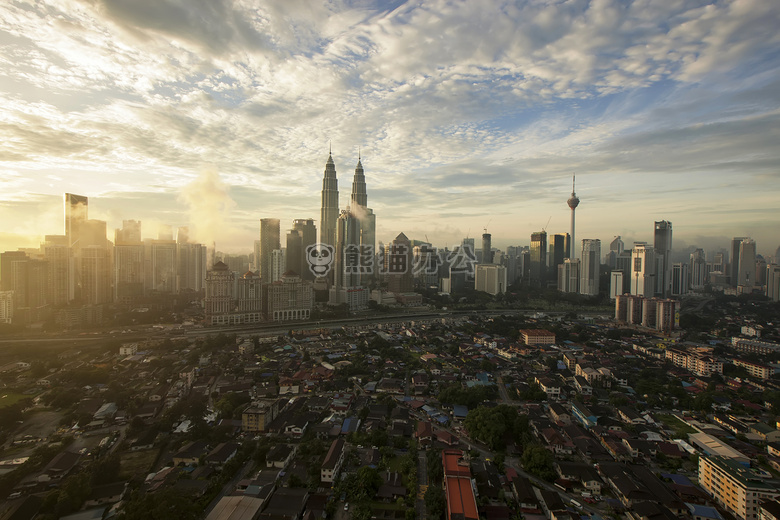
467, 116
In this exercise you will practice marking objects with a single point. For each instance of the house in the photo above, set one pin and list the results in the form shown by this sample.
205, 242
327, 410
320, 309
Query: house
424, 433
280, 455
332, 463
586, 477
190, 453
106, 494
551, 387
582, 385
221, 454
559, 414
61, 465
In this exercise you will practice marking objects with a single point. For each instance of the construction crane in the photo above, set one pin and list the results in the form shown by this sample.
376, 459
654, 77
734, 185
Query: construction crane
548, 223
486, 226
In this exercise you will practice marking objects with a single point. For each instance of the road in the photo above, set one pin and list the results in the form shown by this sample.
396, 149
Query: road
140, 334
422, 484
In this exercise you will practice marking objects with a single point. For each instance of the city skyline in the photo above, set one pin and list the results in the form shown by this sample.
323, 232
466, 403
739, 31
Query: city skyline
463, 115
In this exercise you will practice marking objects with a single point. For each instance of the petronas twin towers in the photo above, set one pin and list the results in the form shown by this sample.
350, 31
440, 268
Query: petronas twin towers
358, 206
351, 229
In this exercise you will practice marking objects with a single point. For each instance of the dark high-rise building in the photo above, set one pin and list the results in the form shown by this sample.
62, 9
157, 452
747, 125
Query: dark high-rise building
330, 204
128, 262
302, 235
696, 272
398, 260
559, 250
487, 249
615, 248
269, 241
663, 246
76, 214
736, 242
746, 277
538, 272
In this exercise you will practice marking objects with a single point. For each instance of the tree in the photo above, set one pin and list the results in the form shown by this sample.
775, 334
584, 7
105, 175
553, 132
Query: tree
435, 504
162, 505
539, 461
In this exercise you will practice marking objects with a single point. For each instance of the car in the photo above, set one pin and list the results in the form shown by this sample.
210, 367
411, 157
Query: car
346, 506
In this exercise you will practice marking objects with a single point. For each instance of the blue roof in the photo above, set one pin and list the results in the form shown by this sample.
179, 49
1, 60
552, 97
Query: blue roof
681, 480
704, 511
459, 410
442, 419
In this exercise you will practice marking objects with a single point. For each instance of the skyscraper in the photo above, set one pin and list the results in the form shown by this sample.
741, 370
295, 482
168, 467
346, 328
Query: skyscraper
773, 282
559, 249
359, 196
538, 274
365, 215
569, 275
734, 270
663, 246
269, 241
680, 279
302, 235
573, 202
615, 248
330, 204
643, 270
487, 249
76, 214
58, 255
399, 265
590, 266
746, 277
696, 271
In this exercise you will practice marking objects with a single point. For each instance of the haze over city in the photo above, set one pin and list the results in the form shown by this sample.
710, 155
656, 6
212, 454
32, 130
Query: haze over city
466, 115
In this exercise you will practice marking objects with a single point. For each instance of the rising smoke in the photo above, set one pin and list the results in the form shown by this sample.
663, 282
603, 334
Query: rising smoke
209, 206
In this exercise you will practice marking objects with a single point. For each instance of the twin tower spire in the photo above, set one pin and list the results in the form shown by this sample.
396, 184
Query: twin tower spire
330, 198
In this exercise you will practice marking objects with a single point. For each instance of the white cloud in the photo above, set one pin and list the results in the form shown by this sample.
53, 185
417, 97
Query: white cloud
461, 102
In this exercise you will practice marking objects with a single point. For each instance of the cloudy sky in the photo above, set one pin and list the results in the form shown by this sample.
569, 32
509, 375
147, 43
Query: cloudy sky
468, 115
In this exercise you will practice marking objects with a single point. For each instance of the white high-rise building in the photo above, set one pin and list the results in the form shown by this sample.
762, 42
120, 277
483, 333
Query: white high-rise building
590, 266
569, 275
615, 284
278, 264
773, 282
490, 278
6, 307
643, 270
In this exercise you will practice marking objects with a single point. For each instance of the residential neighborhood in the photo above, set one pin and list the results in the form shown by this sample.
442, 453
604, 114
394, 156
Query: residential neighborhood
493, 415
